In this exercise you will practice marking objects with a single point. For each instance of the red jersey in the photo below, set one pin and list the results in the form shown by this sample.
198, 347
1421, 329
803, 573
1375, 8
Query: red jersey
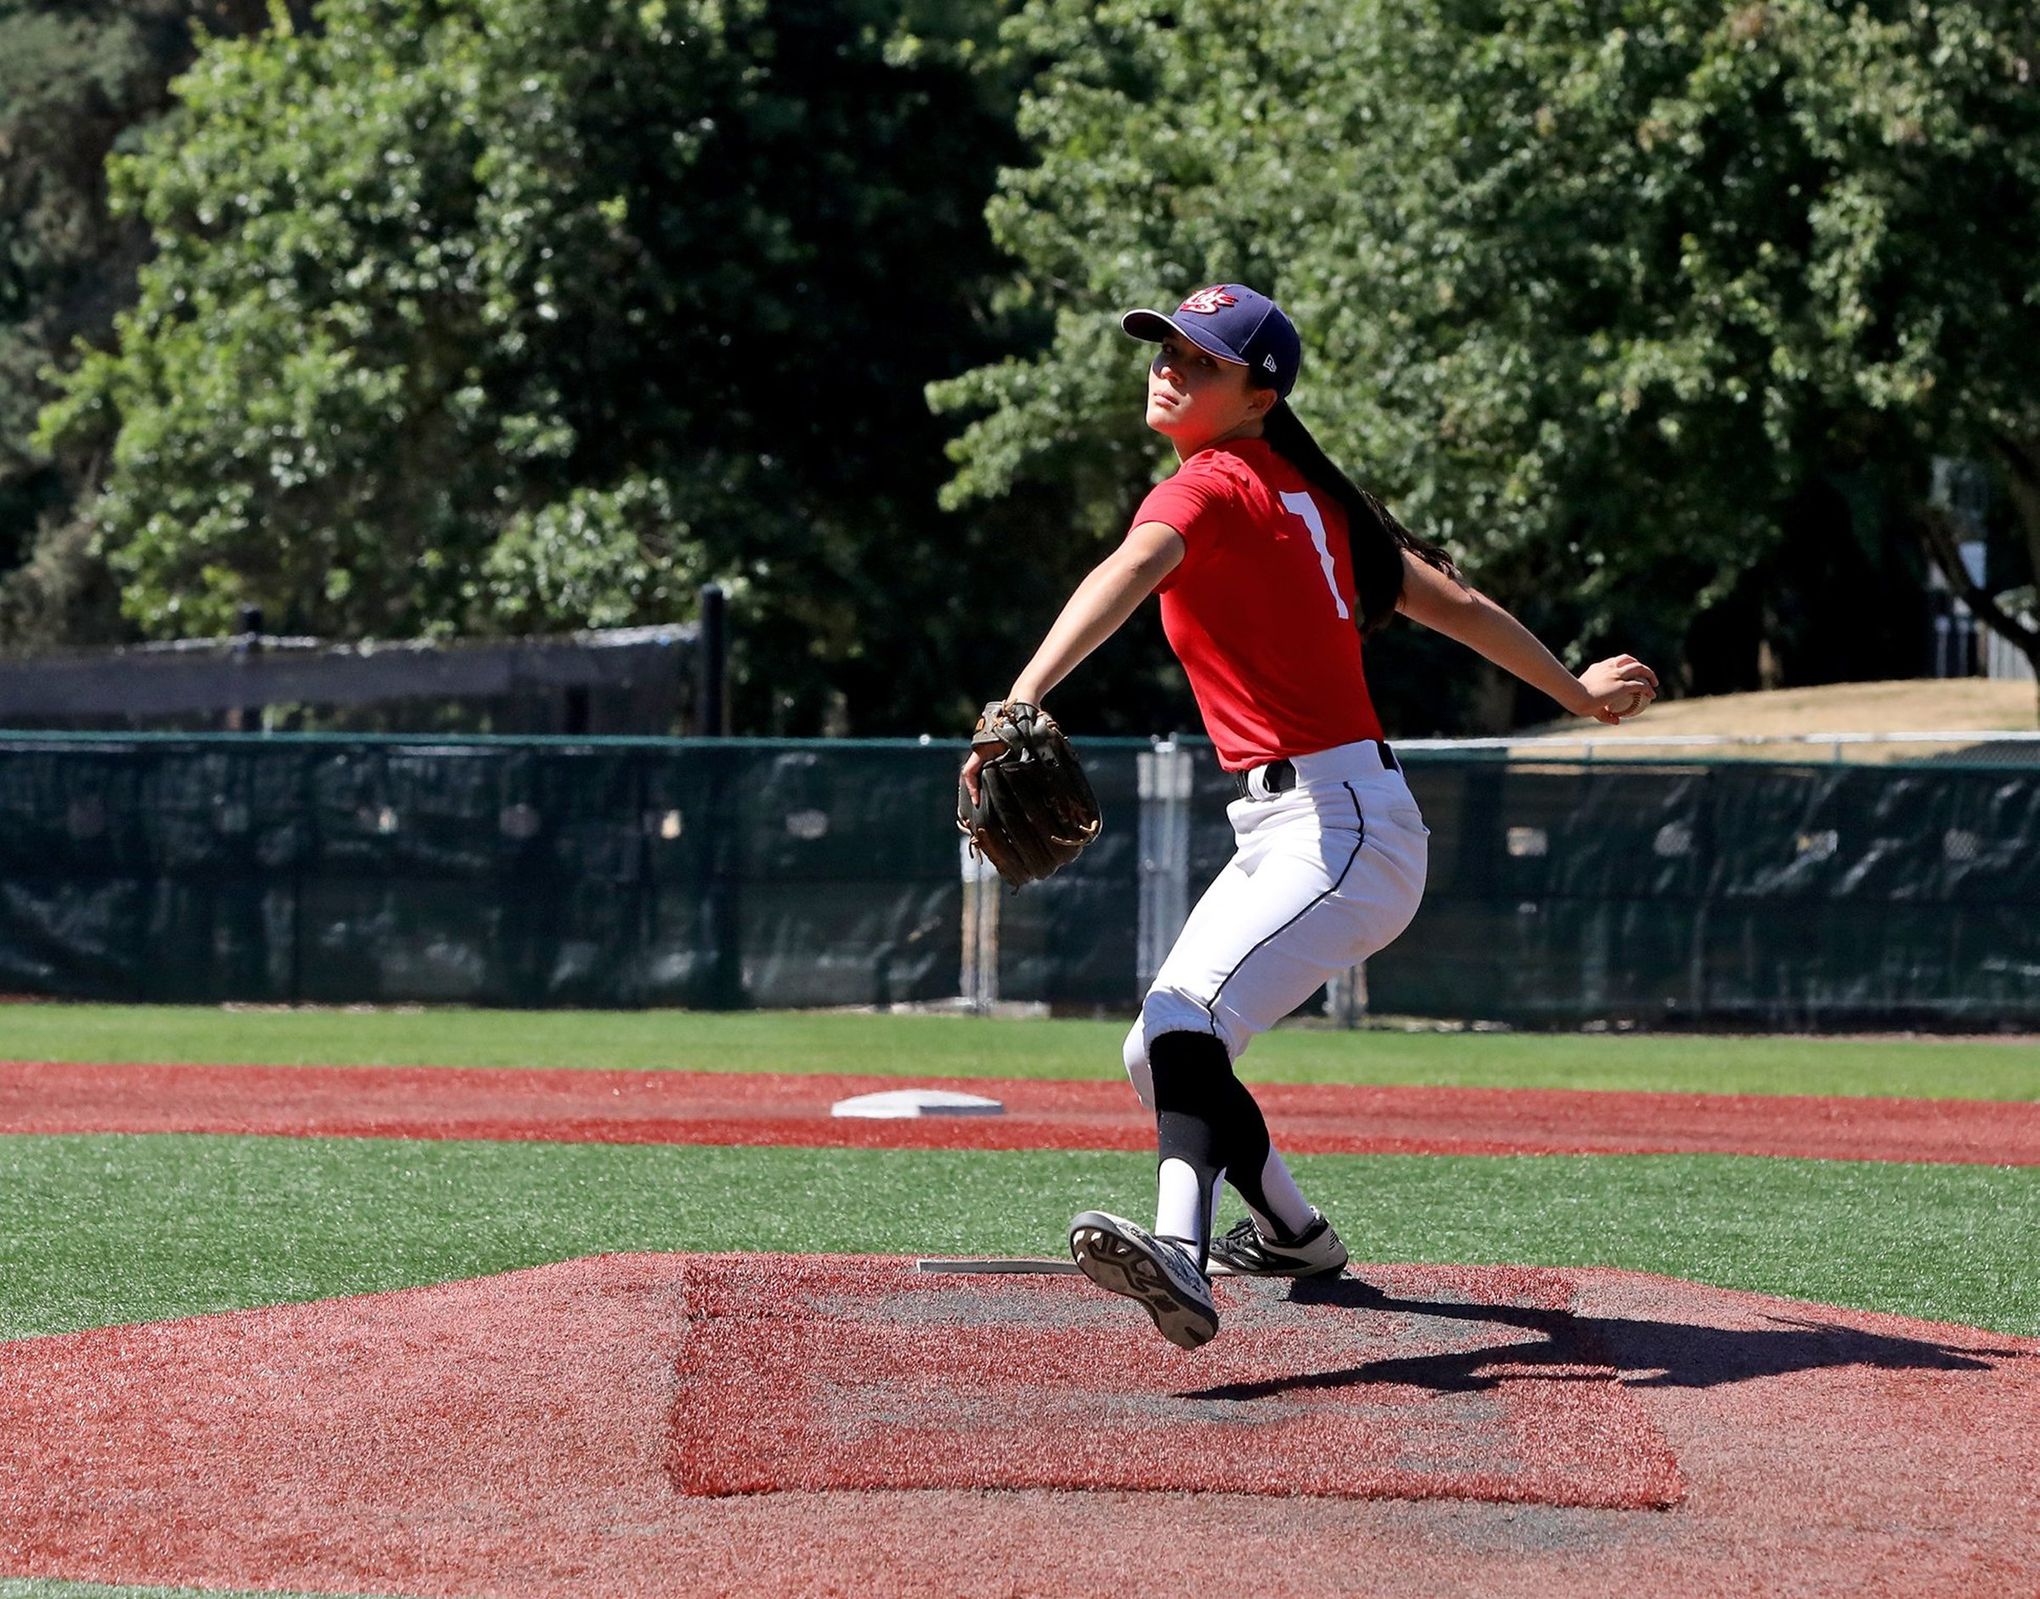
1261, 609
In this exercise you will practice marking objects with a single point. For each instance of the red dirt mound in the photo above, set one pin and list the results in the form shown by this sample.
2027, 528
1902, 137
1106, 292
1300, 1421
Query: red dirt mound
793, 1109
517, 1437
818, 1374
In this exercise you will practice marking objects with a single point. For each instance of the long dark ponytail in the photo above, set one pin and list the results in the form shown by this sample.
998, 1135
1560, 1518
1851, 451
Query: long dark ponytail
1378, 540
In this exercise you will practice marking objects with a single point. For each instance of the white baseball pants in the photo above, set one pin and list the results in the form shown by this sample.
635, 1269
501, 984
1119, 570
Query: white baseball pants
1324, 876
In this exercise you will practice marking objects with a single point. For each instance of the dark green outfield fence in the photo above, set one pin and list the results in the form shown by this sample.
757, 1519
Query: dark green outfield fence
726, 873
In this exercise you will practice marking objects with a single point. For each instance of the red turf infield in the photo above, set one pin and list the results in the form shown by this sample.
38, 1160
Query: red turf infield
538, 1434
793, 1109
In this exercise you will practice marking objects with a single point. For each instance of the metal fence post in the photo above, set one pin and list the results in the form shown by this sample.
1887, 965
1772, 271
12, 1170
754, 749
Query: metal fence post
978, 981
1346, 996
1166, 773
711, 665
246, 647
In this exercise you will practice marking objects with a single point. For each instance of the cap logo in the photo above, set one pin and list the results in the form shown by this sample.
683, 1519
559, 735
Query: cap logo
1208, 302
1268, 361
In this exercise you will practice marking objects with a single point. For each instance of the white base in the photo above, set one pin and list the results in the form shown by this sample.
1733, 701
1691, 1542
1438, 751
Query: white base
895, 1103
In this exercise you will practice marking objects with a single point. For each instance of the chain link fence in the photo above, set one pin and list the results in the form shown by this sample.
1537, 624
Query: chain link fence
1569, 884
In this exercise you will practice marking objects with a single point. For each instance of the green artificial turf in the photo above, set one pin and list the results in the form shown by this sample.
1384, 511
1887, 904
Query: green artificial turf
959, 1046
108, 1229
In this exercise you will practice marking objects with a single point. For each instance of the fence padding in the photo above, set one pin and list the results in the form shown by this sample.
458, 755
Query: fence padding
738, 873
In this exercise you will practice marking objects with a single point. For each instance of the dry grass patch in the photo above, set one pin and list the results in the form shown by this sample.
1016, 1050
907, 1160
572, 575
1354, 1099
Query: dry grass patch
1945, 705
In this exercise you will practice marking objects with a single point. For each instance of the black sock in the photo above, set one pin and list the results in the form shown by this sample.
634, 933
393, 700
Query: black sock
1205, 1118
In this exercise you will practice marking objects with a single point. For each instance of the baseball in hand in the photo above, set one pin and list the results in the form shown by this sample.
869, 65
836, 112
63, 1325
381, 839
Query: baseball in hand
1618, 687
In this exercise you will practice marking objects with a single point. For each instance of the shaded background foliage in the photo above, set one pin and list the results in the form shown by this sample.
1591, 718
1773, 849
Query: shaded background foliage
402, 316
76, 79
1657, 313
518, 316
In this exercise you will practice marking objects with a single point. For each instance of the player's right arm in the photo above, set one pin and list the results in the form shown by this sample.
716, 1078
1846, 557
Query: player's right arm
1105, 599
1607, 691
1109, 594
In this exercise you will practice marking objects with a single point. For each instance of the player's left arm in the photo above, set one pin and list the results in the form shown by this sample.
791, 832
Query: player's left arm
1607, 691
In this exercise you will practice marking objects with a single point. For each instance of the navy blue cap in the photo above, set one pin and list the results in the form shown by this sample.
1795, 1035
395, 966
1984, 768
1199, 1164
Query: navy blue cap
1235, 324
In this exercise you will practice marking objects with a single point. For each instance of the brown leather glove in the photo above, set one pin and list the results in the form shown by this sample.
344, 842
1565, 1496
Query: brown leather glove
1035, 811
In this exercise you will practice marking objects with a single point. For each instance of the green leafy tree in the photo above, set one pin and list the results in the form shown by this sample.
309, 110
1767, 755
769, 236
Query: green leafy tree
530, 314
75, 78
1597, 291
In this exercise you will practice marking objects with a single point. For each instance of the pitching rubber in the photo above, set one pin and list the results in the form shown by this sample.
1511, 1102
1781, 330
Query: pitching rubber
1125, 1259
999, 1266
1023, 1266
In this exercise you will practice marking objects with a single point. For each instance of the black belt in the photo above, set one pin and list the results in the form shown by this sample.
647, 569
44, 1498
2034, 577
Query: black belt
1281, 775
1281, 778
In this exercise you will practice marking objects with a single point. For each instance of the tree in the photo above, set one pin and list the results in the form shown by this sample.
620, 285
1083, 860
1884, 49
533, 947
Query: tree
528, 314
73, 79
1598, 291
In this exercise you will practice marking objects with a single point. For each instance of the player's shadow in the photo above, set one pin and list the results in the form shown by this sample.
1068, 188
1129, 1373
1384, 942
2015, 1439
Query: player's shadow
1647, 1354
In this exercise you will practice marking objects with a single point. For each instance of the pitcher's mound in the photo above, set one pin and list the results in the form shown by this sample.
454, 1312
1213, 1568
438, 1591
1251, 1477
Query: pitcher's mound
1416, 1383
602, 1429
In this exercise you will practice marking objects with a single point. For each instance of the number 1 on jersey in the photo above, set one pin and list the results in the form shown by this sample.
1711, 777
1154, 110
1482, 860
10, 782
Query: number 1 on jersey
1304, 508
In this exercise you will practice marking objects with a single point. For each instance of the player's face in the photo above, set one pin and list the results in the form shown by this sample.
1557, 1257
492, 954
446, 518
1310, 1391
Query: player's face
1195, 399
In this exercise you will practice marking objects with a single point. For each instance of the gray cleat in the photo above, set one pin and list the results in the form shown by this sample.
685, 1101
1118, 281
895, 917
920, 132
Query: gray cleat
1126, 1259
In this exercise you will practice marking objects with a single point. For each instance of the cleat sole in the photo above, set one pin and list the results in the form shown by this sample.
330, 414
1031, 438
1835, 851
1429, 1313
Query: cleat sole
1119, 1267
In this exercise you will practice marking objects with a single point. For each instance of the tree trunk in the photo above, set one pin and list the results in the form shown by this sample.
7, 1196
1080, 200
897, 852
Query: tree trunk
1939, 535
2022, 476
